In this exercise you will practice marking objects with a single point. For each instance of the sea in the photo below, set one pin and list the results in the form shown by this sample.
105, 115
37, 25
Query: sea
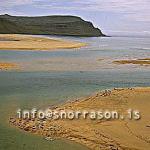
47, 78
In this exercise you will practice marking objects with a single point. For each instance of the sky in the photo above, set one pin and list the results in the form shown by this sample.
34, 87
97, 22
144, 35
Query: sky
111, 16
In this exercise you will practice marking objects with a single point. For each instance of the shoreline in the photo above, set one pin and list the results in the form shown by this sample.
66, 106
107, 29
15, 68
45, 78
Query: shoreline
29, 42
99, 134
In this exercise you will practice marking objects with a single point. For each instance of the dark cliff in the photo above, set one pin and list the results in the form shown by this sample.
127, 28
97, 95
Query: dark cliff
52, 25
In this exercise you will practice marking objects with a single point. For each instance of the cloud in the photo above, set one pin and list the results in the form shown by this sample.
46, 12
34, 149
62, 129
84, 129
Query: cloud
137, 10
96, 5
8, 4
89, 5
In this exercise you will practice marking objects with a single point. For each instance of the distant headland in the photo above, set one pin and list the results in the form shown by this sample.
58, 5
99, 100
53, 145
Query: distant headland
48, 25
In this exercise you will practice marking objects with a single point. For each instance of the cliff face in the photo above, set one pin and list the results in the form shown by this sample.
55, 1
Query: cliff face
52, 25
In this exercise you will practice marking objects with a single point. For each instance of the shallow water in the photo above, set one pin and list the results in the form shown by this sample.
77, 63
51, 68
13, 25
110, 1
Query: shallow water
51, 77
97, 55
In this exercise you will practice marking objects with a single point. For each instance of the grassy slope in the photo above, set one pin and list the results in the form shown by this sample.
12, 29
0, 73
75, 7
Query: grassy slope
57, 25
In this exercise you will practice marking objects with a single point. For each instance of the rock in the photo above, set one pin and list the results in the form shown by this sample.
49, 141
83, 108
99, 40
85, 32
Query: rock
49, 138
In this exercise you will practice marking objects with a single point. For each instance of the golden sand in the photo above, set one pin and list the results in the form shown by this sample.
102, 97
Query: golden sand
100, 134
28, 42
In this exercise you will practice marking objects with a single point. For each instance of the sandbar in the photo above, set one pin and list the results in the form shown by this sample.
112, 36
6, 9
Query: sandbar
144, 61
8, 66
123, 134
29, 42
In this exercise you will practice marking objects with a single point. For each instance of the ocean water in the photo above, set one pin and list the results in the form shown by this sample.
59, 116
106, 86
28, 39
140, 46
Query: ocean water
52, 77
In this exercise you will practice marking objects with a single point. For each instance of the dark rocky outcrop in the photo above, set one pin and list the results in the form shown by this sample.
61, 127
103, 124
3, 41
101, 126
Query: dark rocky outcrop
51, 25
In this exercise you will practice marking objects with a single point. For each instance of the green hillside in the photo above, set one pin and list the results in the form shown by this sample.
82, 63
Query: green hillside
52, 25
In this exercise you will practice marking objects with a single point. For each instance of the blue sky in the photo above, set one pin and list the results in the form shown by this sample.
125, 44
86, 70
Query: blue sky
112, 16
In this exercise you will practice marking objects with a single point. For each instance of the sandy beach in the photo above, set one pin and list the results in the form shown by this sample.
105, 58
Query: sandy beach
28, 42
121, 134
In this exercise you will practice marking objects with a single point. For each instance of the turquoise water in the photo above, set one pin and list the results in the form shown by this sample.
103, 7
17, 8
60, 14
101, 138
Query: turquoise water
52, 77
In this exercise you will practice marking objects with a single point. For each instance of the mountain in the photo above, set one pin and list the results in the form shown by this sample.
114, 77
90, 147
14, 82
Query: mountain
50, 25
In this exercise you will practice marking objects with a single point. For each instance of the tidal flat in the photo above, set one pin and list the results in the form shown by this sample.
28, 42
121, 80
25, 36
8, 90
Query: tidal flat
49, 78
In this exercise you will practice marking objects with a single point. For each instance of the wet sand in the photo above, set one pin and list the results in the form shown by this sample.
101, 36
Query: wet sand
122, 134
8, 66
28, 42
145, 61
